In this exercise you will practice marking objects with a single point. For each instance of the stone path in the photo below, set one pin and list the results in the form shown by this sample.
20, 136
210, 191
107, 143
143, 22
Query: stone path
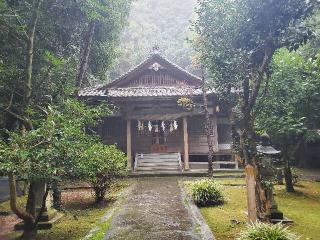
154, 210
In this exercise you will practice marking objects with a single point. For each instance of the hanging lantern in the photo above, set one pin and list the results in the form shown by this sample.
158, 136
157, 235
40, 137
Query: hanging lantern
163, 126
175, 125
217, 108
156, 128
171, 127
149, 126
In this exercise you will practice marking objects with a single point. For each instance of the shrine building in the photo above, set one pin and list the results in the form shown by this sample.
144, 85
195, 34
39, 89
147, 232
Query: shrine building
157, 134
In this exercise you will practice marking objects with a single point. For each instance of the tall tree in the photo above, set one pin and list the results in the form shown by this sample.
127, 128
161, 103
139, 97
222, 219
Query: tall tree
40, 47
287, 107
237, 40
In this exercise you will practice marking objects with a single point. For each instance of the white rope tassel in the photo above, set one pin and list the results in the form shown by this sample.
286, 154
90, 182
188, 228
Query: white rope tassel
163, 126
171, 127
149, 126
175, 125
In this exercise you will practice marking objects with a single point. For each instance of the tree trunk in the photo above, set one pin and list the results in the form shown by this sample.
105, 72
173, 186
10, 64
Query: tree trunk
249, 152
27, 216
287, 171
28, 219
85, 57
29, 231
56, 195
29, 52
300, 153
207, 131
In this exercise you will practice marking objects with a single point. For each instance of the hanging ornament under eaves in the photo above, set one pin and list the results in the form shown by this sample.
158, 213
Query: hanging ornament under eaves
149, 126
140, 128
163, 126
171, 127
156, 128
175, 125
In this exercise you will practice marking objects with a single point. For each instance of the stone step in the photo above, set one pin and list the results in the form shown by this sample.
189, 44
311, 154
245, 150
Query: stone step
156, 173
156, 168
156, 158
159, 156
146, 164
155, 162
175, 161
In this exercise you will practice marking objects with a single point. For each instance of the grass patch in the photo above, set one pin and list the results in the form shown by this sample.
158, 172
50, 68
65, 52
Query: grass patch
228, 220
5, 206
103, 228
81, 215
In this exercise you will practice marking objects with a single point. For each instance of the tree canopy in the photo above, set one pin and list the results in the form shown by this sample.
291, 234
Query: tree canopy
236, 43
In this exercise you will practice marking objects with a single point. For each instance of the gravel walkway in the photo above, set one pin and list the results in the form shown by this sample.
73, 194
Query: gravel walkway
154, 210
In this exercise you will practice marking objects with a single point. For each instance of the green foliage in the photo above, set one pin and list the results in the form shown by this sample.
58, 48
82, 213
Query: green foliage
206, 192
236, 42
234, 35
289, 105
264, 231
60, 35
57, 146
101, 165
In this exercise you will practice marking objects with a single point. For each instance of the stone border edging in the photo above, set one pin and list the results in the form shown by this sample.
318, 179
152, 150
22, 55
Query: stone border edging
205, 231
121, 198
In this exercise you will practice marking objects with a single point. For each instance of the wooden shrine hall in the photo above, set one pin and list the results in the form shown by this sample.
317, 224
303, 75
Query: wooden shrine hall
149, 125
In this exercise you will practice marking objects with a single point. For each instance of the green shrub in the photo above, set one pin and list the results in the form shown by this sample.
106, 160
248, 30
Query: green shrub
206, 192
264, 231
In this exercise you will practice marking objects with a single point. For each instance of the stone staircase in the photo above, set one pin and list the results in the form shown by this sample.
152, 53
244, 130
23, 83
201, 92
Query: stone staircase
158, 163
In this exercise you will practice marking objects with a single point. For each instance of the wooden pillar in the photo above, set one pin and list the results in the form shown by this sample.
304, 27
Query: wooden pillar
129, 148
185, 144
251, 194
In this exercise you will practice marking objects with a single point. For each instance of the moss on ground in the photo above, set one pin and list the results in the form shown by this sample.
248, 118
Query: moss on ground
103, 229
302, 206
5, 206
81, 215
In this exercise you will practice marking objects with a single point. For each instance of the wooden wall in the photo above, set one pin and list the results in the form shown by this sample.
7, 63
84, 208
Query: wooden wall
113, 131
197, 137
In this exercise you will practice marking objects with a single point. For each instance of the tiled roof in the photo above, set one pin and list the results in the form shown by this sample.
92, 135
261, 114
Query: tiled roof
95, 91
159, 91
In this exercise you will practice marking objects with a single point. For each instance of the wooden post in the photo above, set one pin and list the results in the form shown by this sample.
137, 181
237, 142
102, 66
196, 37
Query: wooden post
185, 144
129, 151
251, 194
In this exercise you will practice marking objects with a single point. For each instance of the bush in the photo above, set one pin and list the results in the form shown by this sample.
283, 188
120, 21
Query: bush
205, 192
101, 165
264, 231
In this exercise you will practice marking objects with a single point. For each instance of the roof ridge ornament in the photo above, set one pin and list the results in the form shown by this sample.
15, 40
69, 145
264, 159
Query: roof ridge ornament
155, 49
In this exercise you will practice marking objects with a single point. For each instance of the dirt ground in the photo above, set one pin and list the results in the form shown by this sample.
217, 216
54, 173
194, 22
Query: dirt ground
69, 199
